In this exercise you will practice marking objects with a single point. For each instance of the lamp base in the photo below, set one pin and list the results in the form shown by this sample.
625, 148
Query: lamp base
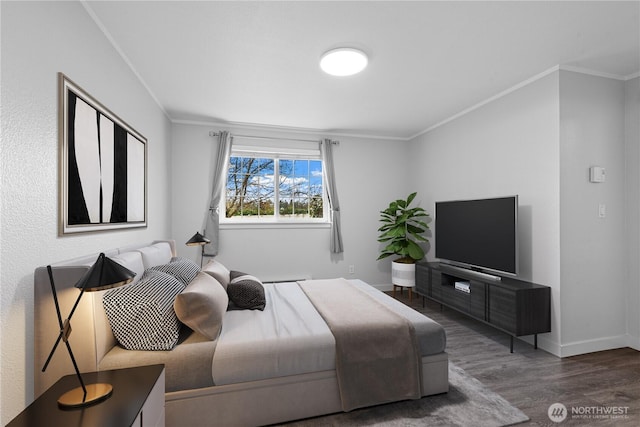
95, 393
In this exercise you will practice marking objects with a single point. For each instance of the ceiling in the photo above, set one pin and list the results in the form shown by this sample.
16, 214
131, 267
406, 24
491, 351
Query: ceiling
256, 63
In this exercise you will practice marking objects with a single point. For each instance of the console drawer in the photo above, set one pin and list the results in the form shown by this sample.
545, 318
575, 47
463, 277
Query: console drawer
502, 309
455, 298
477, 300
422, 280
435, 285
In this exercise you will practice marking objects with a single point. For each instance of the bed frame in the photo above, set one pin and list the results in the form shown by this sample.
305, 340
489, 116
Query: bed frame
252, 403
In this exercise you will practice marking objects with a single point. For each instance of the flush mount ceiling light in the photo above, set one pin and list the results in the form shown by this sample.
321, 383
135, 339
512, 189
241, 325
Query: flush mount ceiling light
344, 61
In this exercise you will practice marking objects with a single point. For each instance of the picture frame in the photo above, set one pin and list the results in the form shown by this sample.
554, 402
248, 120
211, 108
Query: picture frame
102, 166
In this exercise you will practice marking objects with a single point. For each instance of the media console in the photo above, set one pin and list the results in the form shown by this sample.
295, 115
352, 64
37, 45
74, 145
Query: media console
513, 306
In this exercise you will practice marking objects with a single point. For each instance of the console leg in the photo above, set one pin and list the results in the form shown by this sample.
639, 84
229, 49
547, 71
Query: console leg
511, 343
535, 341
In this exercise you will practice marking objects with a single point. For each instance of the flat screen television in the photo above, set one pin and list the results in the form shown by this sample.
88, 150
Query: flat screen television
479, 234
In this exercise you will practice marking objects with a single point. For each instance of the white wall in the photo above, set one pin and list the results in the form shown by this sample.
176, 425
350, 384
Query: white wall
539, 141
632, 207
593, 250
368, 176
40, 39
506, 147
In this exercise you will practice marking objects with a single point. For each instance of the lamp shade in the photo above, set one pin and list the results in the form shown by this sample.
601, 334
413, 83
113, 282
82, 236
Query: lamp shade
197, 240
104, 274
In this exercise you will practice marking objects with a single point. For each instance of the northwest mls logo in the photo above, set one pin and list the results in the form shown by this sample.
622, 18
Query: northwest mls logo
557, 412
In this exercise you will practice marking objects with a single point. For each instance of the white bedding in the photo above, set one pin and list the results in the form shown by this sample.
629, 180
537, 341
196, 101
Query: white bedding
290, 337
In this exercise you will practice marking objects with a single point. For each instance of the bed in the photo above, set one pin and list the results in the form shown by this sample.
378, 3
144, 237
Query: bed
268, 366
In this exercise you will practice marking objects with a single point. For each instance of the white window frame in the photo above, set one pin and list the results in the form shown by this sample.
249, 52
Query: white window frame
277, 150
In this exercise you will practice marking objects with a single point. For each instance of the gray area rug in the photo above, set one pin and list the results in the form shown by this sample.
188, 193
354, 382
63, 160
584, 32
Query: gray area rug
468, 402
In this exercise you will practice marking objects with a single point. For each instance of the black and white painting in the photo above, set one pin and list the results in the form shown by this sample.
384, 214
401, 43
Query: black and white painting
103, 166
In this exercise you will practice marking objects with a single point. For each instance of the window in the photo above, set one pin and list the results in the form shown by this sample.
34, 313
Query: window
274, 187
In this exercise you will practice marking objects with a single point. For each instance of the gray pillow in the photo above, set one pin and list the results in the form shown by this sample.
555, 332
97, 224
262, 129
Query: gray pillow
218, 271
141, 315
246, 291
183, 269
202, 305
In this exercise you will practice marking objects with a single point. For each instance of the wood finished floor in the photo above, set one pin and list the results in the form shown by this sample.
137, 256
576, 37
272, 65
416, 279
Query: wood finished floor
532, 379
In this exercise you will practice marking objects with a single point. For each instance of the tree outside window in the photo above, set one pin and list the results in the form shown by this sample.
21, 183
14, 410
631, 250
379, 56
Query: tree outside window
253, 191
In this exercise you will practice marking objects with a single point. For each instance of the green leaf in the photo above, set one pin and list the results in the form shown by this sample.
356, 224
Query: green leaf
414, 229
397, 231
421, 238
421, 224
415, 251
386, 227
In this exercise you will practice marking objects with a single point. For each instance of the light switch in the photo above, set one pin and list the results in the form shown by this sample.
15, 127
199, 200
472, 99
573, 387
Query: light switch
596, 174
602, 210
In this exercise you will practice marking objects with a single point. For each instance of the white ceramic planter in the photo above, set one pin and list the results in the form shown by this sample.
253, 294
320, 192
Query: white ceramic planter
403, 274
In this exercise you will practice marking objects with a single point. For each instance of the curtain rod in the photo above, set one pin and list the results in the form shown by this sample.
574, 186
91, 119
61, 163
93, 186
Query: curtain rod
212, 133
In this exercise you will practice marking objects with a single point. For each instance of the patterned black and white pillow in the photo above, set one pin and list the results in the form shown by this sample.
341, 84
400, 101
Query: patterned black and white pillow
246, 292
182, 269
141, 315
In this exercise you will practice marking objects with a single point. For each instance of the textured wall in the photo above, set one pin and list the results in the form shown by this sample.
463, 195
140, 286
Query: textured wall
40, 39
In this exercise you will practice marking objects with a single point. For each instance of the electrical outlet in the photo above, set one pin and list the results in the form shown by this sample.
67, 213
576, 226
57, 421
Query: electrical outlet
352, 269
602, 210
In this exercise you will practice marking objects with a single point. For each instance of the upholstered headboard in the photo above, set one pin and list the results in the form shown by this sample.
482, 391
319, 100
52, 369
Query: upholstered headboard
91, 336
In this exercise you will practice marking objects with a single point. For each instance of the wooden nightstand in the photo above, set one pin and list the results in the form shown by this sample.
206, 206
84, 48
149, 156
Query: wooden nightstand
137, 400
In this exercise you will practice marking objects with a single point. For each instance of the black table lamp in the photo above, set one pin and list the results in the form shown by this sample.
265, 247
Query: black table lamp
104, 274
198, 240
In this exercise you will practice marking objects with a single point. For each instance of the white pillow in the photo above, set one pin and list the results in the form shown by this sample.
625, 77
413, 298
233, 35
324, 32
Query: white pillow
156, 254
202, 305
131, 260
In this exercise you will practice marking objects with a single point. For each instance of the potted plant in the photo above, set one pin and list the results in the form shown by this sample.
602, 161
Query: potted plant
402, 229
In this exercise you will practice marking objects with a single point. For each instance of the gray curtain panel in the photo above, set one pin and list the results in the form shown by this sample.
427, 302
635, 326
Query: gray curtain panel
326, 147
220, 167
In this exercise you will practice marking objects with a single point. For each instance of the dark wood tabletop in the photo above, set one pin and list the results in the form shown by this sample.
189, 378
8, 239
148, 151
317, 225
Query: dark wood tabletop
131, 388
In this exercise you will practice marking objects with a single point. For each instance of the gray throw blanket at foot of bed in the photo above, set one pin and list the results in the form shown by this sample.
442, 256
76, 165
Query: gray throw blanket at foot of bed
377, 357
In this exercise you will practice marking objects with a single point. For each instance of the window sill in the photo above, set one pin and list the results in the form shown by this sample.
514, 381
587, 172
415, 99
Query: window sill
272, 225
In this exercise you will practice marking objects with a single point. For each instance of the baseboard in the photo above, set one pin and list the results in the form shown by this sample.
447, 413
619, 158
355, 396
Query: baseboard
544, 343
633, 342
591, 346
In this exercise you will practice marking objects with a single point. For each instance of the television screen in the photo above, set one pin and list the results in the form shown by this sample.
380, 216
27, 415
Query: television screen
479, 233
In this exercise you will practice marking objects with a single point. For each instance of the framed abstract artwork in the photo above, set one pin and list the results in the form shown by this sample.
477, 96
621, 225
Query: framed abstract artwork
102, 164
